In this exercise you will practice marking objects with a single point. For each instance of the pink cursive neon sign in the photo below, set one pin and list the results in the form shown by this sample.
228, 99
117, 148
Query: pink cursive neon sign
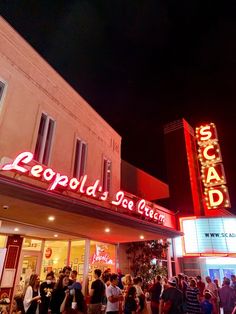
25, 164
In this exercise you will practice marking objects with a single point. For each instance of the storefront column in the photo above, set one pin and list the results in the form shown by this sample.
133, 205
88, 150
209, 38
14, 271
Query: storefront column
169, 266
178, 267
86, 267
117, 261
14, 244
68, 254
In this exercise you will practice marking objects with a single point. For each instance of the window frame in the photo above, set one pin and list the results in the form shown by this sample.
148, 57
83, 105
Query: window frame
78, 168
106, 174
3, 89
45, 148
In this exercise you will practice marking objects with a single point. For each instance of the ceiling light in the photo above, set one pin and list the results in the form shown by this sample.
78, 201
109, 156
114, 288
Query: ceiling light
107, 230
141, 237
51, 218
55, 235
16, 229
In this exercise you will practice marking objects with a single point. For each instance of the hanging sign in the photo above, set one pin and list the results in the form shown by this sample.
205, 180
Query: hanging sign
212, 169
25, 164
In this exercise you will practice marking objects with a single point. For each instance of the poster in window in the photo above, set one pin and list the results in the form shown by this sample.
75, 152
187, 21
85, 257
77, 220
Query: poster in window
214, 274
228, 272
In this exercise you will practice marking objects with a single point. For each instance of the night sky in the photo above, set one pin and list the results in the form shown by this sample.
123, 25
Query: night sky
142, 64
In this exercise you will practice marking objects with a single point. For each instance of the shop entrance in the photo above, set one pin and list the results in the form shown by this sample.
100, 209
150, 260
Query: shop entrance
29, 263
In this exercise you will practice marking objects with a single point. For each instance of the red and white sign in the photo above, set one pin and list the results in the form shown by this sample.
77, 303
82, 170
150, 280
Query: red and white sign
213, 176
25, 164
101, 256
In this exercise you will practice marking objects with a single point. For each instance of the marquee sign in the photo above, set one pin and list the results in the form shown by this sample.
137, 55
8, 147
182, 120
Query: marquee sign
208, 236
213, 176
25, 164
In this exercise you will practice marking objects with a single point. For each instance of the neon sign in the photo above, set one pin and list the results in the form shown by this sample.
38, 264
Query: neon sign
213, 177
100, 256
25, 164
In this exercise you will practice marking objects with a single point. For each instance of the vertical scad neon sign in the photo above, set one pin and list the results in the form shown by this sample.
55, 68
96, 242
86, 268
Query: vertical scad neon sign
213, 176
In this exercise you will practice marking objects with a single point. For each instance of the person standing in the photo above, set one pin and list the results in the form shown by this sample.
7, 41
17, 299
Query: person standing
227, 297
46, 289
206, 306
67, 271
114, 295
211, 287
233, 285
201, 286
58, 294
155, 292
138, 282
131, 305
73, 275
74, 302
32, 295
171, 299
192, 298
97, 293
17, 305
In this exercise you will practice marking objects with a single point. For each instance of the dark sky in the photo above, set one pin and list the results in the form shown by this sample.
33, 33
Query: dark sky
141, 64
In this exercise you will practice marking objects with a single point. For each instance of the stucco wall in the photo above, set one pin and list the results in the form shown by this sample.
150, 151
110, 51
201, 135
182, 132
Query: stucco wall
33, 87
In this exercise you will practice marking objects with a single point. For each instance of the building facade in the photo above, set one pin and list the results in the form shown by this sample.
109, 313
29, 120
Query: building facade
198, 191
61, 198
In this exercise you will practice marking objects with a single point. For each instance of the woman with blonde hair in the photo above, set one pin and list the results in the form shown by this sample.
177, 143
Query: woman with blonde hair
32, 295
127, 281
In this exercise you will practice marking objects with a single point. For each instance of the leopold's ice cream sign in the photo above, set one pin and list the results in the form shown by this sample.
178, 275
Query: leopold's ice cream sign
24, 164
213, 177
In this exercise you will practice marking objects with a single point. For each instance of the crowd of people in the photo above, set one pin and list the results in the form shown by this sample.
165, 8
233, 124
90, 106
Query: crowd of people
114, 293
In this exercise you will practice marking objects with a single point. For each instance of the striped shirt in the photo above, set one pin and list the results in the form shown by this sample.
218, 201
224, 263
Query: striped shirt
193, 305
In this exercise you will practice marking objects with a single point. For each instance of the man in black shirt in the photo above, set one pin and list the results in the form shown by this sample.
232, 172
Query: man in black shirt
96, 293
172, 299
46, 289
155, 292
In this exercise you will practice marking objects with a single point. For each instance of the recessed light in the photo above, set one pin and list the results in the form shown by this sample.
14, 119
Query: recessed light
141, 237
16, 229
107, 230
55, 235
51, 218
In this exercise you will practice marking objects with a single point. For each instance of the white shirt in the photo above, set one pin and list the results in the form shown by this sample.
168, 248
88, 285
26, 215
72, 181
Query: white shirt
139, 290
28, 297
112, 291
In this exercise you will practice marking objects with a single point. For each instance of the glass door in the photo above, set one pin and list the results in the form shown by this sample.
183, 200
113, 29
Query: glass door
29, 263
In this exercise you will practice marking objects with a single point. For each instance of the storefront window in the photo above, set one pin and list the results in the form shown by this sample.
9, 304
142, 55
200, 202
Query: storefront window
54, 257
3, 241
32, 244
77, 252
102, 256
